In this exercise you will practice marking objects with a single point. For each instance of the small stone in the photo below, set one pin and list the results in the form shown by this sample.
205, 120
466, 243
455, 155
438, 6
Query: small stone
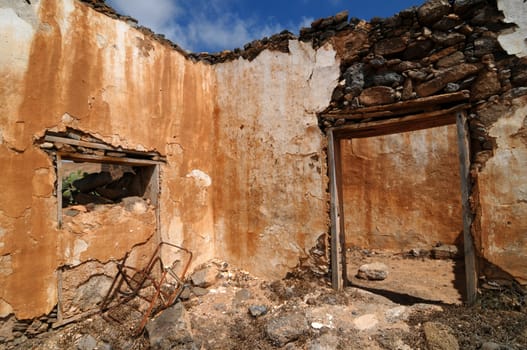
418, 49
185, 293
377, 95
445, 251
326, 341
387, 79
47, 145
390, 46
86, 342
242, 294
448, 39
365, 322
257, 310
396, 314
444, 77
199, 292
451, 60
37, 327
204, 277
494, 346
286, 328
452, 87
439, 337
341, 16
432, 11
486, 85
354, 77
374, 271
171, 327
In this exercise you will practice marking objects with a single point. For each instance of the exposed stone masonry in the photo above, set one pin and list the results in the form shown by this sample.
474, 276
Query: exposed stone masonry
434, 49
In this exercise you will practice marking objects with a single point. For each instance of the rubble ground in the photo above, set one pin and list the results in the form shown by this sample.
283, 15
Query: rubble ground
227, 308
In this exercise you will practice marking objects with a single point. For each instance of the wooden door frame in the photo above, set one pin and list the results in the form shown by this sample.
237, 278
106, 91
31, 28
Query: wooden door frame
393, 126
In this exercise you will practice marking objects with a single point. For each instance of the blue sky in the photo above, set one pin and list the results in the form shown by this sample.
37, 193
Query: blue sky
216, 25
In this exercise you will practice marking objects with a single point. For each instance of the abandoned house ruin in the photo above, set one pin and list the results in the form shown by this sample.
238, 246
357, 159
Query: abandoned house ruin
393, 134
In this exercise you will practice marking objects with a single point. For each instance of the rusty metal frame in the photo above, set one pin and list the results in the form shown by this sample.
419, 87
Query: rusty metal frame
126, 286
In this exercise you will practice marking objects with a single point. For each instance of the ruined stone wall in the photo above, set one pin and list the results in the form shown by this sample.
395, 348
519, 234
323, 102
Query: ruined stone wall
64, 65
271, 206
246, 176
402, 191
441, 48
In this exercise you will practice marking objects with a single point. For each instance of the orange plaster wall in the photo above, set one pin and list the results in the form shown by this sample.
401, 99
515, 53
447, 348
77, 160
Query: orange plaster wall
65, 65
402, 191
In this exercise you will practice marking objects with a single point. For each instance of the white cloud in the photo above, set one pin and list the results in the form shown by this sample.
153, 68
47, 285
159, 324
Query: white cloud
199, 24
155, 14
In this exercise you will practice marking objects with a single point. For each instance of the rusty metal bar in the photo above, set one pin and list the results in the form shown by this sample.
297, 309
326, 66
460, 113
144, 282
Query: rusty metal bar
124, 287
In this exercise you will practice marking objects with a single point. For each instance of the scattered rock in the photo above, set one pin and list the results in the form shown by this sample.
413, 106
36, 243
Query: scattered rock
86, 342
204, 277
185, 293
365, 322
257, 310
242, 295
445, 251
373, 272
170, 328
326, 341
396, 314
285, 328
199, 292
439, 337
495, 346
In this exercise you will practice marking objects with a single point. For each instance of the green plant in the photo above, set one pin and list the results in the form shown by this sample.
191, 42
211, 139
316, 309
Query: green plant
68, 189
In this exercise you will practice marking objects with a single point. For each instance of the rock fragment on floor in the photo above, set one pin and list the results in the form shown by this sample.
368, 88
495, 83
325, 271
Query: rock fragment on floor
445, 251
495, 346
439, 337
257, 310
204, 277
170, 328
286, 328
373, 272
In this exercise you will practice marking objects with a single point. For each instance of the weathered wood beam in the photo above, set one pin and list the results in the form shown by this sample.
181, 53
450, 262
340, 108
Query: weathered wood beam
468, 241
398, 108
337, 281
398, 125
95, 145
91, 158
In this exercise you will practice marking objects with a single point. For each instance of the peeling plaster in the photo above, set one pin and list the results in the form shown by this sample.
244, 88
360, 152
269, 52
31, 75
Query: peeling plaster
514, 41
201, 177
6, 265
5, 308
269, 150
2, 235
503, 195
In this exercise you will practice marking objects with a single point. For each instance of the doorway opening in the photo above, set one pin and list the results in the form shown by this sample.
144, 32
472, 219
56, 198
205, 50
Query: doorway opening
393, 208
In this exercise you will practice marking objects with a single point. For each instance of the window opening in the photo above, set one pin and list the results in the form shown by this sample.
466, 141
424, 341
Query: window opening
91, 172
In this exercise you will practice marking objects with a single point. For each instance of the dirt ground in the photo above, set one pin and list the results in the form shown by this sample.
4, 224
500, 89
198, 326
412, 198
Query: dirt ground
411, 279
379, 315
